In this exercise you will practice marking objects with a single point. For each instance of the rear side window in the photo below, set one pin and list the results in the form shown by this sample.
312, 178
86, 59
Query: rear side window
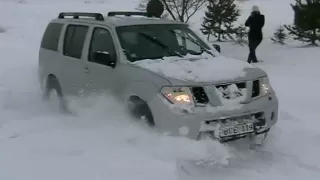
74, 40
51, 36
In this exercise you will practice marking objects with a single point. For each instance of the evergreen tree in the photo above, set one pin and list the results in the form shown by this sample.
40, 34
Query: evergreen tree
219, 19
279, 36
306, 26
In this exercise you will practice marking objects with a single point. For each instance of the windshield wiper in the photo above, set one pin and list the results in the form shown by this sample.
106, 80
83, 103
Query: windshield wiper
157, 41
197, 43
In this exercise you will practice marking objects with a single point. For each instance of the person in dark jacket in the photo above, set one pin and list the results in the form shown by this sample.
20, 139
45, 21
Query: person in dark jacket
255, 22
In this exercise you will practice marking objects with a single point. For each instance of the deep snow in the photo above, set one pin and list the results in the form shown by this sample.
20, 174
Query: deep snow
99, 142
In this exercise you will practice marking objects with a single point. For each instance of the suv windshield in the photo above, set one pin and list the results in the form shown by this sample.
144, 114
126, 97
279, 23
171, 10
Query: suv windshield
159, 40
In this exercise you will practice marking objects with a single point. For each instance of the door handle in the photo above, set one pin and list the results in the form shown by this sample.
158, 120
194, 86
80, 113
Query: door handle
86, 70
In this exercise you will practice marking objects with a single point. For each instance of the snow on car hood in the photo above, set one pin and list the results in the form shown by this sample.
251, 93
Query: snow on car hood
204, 68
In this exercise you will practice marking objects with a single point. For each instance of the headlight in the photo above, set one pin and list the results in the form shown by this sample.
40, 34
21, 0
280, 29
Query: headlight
178, 95
265, 87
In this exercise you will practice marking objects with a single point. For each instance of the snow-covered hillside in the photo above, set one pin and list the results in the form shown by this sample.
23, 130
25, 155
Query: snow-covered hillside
99, 142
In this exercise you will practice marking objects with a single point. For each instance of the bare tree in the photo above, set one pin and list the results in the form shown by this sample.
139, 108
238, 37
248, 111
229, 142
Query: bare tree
179, 10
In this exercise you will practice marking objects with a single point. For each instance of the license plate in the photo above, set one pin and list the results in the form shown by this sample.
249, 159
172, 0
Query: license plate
236, 130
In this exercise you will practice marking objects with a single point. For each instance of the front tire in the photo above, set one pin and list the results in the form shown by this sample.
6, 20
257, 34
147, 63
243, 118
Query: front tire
140, 111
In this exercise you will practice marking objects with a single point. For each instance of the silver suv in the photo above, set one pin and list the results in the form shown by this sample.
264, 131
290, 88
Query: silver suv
164, 72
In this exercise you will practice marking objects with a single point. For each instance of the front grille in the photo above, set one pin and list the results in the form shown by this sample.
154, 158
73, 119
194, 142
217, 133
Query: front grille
232, 91
200, 95
227, 92
255, 88
240, 85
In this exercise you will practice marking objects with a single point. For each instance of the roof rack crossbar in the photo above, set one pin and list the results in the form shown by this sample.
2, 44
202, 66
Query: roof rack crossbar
129, 13
75, 15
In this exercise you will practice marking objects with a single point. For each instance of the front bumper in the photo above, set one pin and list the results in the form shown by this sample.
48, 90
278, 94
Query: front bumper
263, 113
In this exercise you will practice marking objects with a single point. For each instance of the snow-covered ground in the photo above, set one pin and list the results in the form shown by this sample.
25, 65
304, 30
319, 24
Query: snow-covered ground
99, 142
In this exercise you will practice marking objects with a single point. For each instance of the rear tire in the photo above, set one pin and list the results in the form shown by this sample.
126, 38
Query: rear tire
53, 85
140, 111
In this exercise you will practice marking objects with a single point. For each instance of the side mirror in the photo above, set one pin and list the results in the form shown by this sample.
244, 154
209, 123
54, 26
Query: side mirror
217, 47
103, 57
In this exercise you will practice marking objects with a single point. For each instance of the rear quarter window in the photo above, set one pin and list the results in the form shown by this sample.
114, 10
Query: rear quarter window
74, 40
50, 39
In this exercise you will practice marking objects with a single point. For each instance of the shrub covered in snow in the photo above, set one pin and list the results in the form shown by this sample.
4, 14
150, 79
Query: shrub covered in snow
279, 36
241, 33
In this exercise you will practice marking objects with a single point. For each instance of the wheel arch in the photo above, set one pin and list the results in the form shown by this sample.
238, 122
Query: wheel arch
49, 77
53, 81
138, 101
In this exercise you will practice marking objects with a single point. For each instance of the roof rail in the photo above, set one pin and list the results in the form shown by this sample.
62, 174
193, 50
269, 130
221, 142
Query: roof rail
75, 15
129, 13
